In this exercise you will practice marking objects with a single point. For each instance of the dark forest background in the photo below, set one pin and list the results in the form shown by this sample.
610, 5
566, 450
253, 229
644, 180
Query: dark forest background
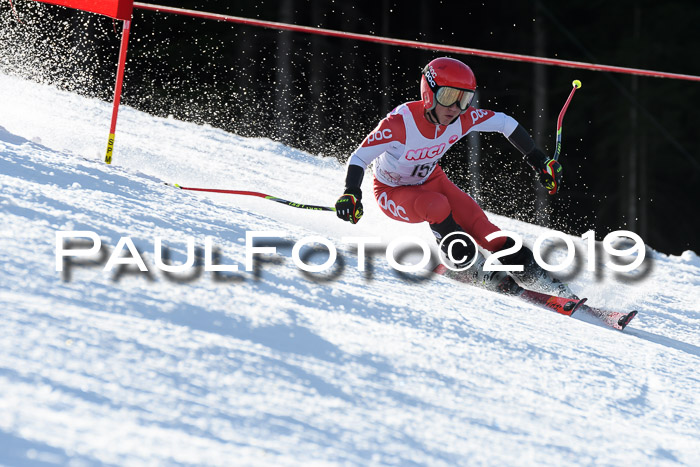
631, 154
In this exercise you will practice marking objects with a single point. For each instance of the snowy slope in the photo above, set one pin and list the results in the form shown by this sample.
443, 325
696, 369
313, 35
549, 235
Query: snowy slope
278, 367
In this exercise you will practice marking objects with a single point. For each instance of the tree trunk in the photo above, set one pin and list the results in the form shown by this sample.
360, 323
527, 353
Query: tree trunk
631, 197
474, 141
316, 74
284, 76
385, 70
541, 114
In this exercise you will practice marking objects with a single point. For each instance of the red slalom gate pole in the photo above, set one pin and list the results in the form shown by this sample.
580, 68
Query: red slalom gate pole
557, 151
118, 89
412, 44
293, 204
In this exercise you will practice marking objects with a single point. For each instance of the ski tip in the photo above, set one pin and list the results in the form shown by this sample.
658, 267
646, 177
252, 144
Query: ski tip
571, 306
578, 305
625, 319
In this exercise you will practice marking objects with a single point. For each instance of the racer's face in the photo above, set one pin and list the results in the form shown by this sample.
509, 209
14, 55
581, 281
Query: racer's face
445, 115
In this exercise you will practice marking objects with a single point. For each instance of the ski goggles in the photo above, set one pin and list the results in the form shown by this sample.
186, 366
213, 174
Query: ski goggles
446, 96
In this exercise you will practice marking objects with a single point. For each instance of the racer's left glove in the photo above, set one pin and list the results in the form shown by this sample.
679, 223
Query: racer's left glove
549, 171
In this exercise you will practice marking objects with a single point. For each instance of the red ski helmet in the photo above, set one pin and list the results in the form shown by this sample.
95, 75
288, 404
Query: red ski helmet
446, 81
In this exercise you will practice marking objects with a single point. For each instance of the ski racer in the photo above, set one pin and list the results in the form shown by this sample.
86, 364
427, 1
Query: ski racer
410, 186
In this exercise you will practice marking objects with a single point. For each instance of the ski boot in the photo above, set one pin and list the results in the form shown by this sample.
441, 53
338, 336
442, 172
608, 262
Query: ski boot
496, 281
533, 276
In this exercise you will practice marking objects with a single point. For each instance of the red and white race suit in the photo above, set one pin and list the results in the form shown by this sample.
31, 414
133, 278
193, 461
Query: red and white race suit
409, 185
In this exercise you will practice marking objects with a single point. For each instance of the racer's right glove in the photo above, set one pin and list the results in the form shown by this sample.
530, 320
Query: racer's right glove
349, 205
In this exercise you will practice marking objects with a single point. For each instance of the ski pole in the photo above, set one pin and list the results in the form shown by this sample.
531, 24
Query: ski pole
259, 195
576, 84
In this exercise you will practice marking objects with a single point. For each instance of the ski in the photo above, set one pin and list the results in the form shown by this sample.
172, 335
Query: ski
561, 305
564, 306
614, 319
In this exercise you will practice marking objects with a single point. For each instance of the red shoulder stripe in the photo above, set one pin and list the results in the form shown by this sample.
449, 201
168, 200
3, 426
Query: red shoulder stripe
473, 117
391, 128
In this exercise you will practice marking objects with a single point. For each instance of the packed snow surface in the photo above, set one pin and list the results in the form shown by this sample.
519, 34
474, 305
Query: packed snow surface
277, 366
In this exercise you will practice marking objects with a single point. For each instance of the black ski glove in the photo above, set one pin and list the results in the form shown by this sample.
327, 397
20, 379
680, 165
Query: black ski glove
349, 206
549, 170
